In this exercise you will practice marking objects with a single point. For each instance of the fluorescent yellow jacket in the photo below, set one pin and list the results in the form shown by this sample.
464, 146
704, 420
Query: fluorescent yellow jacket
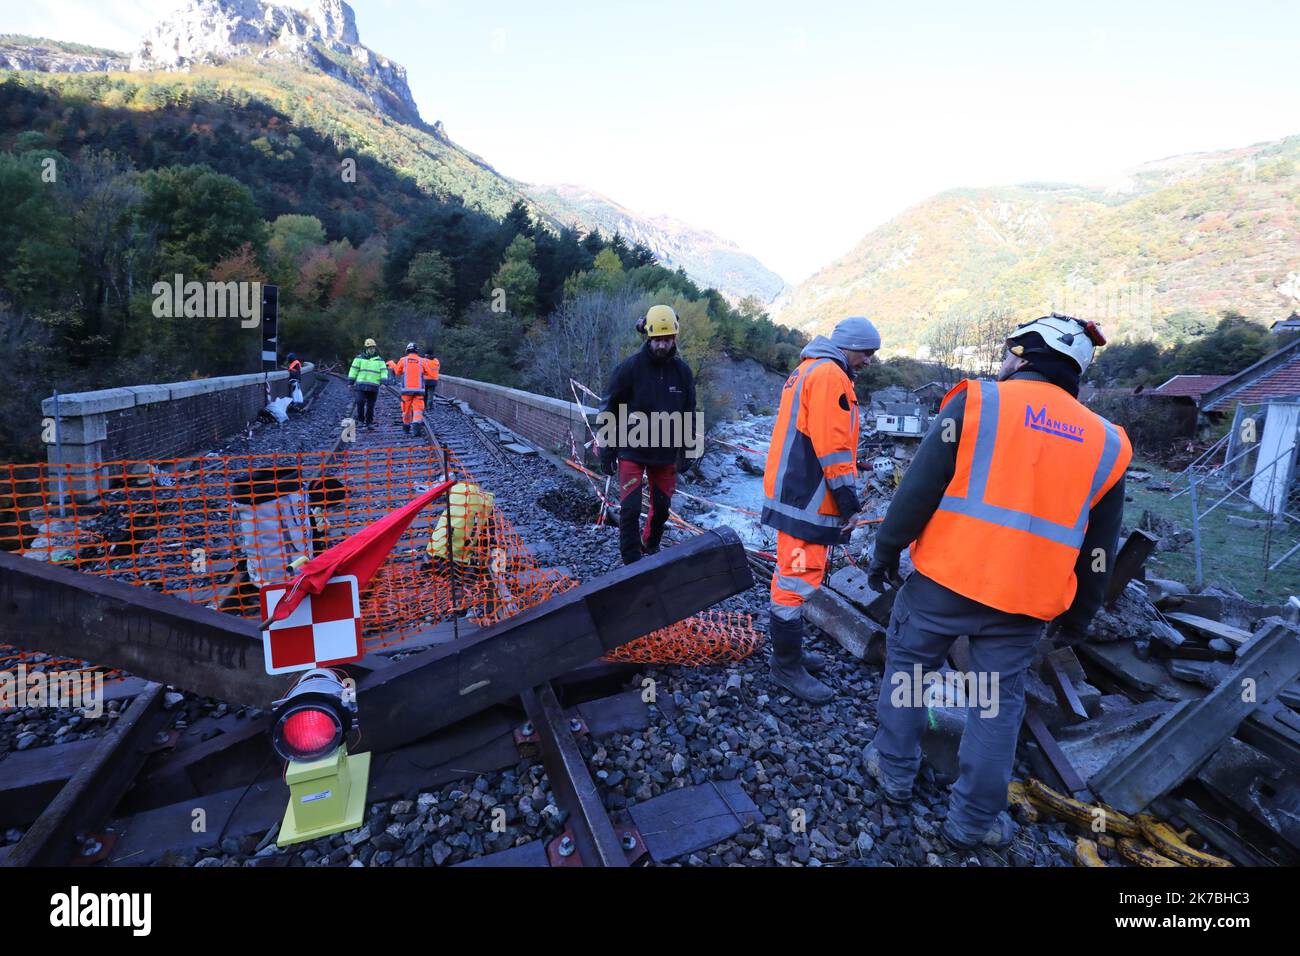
469, 514
368, 371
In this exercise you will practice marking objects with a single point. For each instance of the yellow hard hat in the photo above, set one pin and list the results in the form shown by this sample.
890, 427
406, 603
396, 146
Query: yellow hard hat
371, 344
661, 320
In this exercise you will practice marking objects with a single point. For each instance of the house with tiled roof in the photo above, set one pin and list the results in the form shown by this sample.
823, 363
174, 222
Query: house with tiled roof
931, 394
1190, 386
1275, 377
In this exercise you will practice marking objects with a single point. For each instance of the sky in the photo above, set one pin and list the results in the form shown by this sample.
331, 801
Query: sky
795, 128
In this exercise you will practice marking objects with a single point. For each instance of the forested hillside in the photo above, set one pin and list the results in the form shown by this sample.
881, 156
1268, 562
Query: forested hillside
1158, 256
371, 227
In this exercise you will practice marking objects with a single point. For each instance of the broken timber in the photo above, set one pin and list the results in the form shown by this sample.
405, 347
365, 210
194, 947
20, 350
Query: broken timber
85, 802
151, 635
1176, 745
172, 641
850, 611
1128, 563
410, 699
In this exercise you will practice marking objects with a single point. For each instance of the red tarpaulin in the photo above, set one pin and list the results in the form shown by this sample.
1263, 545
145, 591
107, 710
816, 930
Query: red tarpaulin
359, 555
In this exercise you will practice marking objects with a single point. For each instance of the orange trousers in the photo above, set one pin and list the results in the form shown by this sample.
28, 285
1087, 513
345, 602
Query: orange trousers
800, 567
412, 408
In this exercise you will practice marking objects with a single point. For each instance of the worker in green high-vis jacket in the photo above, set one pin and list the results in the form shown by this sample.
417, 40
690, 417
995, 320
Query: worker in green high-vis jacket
368, 370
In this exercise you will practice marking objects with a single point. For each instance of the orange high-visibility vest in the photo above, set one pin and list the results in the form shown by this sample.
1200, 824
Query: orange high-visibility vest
813, 450
1031, 463
431, 367
409, 370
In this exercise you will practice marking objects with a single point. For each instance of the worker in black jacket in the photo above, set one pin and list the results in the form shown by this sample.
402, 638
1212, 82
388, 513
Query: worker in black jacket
648, 427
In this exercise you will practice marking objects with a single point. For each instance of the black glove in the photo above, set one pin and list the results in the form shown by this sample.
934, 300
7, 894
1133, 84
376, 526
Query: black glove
609, 461
883, 573
1065, 632
846, 500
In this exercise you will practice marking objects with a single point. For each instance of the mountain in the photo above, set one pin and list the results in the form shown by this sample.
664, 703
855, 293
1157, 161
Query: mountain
707, 258
1156, 253
290, 59
324, 37
18, 52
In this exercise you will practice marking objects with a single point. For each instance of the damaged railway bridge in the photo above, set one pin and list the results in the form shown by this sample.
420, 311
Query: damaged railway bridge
405, 705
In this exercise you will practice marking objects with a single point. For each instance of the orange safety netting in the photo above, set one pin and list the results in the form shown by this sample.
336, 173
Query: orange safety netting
711, 637
11, 658
211, 530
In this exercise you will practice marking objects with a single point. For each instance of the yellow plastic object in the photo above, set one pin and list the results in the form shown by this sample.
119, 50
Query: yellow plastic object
1085, 854
469, 514
1173, 845
326, 796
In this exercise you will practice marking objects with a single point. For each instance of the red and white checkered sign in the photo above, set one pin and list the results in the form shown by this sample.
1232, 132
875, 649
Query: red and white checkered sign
325, 629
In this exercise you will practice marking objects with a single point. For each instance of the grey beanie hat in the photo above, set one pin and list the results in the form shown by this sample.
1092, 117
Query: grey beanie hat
856, 333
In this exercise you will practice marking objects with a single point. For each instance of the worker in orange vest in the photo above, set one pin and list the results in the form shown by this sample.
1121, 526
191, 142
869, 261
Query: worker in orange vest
431, 369
1012, 509
810, 489
412, 372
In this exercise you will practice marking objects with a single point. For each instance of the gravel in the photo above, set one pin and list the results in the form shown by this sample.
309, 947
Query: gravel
801, 764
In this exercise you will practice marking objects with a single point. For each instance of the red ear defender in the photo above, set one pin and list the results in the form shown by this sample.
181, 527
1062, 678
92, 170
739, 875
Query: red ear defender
1093, 331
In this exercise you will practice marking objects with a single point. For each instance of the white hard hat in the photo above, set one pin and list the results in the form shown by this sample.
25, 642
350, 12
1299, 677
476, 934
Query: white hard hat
1072, 337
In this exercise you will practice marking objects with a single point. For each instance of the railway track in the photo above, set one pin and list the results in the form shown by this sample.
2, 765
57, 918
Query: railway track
130, 797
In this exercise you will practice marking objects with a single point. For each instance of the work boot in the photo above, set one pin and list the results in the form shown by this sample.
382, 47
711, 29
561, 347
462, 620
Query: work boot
894, 792
998, 836
406, 427
787, 662
650, 543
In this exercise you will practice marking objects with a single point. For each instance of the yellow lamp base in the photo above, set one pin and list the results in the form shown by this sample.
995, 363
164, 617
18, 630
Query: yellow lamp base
326, 796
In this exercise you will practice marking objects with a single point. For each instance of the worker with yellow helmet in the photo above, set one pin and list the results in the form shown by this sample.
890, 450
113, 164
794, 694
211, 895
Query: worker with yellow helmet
653, 385
367, 371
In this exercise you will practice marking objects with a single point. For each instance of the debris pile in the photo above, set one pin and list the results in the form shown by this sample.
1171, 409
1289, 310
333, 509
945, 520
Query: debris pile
1188, 720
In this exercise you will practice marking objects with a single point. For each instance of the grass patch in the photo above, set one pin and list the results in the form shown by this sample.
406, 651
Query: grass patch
1230, 554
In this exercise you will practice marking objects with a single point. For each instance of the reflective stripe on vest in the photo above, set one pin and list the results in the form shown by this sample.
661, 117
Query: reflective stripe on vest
1010, 528
368, 370
974, 505
412, 384
809, 512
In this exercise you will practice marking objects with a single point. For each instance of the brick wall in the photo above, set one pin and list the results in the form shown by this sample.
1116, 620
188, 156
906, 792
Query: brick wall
552, 423
158, 421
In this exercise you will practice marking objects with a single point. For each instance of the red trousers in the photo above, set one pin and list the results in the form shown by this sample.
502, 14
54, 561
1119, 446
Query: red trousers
632, 540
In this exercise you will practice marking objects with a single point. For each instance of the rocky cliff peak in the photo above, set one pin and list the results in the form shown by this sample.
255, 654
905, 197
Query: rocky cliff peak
336, 19
320, 33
